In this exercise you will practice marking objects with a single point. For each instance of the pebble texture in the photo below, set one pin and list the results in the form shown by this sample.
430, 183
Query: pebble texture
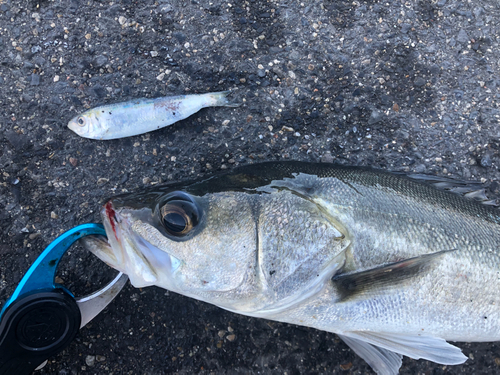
398, 85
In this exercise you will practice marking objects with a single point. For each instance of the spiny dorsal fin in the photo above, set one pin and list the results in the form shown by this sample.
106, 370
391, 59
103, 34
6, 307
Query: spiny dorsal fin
351, 284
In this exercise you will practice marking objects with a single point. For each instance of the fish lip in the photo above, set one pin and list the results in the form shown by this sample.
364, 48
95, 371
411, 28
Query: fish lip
72, 125
135, 257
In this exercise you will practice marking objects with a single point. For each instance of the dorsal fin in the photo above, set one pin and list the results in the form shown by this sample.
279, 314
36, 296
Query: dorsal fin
469, 189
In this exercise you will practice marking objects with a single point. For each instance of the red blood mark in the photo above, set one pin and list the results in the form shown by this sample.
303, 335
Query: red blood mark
111, 216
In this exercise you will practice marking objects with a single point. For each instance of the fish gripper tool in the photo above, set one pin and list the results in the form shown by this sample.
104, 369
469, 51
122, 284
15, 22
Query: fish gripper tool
41, 318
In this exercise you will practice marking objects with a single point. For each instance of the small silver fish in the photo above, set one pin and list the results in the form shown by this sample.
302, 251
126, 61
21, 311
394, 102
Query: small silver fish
392, 265
142, 115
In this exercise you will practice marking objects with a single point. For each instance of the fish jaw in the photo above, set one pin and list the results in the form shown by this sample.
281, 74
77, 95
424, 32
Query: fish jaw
145, 264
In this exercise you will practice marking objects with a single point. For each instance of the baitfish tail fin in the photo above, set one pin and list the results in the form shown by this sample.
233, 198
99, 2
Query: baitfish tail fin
220, 99
382, 361
378, 279
415, 346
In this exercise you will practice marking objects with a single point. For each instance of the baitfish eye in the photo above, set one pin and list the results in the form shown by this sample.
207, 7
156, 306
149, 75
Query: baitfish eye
179, 214
80, 121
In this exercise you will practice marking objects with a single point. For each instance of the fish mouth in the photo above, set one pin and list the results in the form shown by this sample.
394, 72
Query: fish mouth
72, 125
144, 263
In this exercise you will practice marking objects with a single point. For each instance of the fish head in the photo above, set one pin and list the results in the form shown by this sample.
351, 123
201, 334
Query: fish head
244, 250
87, 124
200, 246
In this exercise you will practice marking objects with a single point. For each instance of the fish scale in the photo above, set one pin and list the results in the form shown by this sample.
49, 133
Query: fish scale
392, 265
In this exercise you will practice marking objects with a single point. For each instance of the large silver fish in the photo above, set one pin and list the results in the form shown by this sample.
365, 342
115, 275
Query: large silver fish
142, 115
392, 265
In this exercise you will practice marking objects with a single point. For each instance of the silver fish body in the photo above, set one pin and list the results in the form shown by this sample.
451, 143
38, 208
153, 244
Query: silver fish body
142, 115
393, 266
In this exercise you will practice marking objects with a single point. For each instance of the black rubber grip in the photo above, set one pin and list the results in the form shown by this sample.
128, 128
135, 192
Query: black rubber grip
34, 328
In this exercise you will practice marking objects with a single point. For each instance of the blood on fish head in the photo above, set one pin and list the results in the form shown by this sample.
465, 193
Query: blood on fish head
110, 213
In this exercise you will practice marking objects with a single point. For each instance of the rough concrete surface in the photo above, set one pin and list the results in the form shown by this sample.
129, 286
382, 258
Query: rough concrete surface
404, 85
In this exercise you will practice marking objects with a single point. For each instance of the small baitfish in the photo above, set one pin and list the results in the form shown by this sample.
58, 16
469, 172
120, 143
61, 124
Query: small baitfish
392, 265
142, 115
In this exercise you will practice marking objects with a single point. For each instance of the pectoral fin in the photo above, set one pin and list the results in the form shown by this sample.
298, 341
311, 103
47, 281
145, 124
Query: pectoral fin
382, 361
414, 346
380, 279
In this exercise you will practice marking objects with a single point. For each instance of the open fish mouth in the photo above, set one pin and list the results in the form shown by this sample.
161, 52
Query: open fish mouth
144, 263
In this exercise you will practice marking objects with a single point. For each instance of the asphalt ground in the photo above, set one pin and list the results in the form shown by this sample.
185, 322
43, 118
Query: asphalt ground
406, 86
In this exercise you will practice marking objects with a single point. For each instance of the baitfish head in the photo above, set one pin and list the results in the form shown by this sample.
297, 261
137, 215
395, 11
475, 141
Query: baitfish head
87, 124
234, 241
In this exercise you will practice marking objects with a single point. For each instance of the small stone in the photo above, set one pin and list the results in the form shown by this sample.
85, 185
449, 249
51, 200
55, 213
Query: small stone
153, 53
160, 76
35, 80
122, 20
375, 117
100, 61
90, 360
102, 181
225, 122
486, 160
261, 73
462, 37
32, 236
221, 333
346, 366
73, 162
395, 107
327, 157
53, 215
56, 78
231, 337
419, 82
100, 358
146, 180
88, 36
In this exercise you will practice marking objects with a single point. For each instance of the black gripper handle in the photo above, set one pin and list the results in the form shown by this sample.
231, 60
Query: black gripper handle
35, 327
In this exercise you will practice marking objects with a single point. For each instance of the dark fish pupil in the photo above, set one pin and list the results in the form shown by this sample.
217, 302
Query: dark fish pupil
174, 222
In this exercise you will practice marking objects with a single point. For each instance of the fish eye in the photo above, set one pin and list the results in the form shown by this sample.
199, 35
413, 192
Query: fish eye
179, 214
80, 121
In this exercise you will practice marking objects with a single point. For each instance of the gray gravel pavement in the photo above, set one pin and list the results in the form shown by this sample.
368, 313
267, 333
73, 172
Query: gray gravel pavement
397, 85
